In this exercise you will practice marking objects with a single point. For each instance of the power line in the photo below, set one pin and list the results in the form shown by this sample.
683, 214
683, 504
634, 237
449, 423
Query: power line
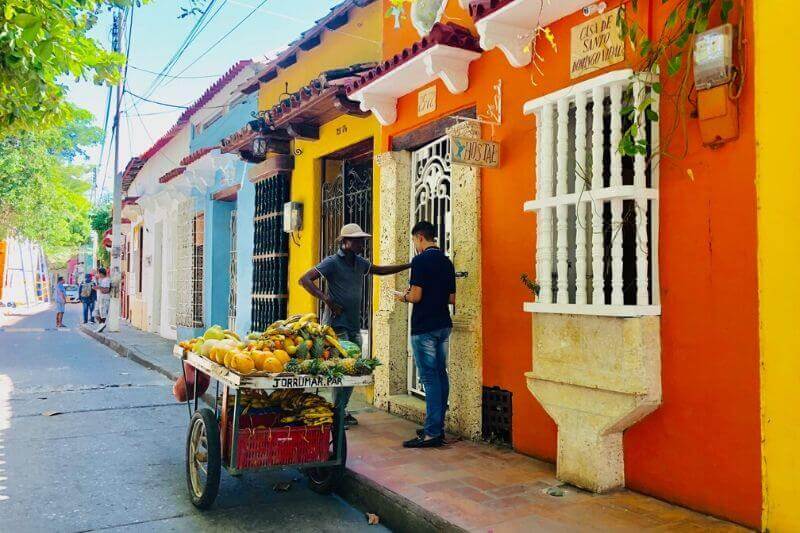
156, 101
173, 77
235, 27
187, 41
105, 136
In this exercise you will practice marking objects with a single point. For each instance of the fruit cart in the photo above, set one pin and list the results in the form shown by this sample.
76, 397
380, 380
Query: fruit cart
226, 436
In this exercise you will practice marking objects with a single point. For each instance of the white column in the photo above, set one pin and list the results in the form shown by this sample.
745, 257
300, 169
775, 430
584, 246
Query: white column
598, 297
616, 205
562, 224
539, 256
544, 248
640, 182
580, 208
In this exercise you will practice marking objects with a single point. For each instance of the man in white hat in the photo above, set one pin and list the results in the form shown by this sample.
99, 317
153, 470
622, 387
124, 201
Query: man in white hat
344, 273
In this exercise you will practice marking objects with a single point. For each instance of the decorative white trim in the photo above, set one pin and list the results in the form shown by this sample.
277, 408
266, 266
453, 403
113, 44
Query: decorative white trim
447, 63
604, 80
625, 192
511, 27
591, 309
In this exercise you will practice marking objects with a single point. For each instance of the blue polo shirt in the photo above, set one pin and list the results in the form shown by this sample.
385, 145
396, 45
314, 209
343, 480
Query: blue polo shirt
434, 273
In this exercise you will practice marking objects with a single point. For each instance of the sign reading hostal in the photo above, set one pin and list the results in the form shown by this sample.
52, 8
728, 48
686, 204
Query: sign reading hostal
475, 152
596, 44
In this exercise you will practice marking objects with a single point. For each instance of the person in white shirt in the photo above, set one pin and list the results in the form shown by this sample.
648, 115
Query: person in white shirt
103, 289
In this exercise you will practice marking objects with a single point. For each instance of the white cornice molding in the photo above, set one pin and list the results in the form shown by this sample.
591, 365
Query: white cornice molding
447, 63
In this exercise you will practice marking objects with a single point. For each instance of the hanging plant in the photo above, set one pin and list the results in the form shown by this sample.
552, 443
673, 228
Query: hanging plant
670, 54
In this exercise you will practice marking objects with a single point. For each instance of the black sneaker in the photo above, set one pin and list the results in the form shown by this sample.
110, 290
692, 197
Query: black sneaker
350, 420
421, 434
420, 442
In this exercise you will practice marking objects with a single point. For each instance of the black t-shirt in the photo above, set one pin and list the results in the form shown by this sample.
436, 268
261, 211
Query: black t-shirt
432, 271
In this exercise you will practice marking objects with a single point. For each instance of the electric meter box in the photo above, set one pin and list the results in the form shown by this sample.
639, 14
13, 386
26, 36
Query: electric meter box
292, 217
713, 57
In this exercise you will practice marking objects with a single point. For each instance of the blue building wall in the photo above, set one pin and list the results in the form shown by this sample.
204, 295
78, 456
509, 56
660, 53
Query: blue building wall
217, 248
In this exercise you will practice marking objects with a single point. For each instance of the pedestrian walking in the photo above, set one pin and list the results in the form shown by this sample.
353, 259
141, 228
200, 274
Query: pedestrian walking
103, 291
88, 297
344, 274
432, 289
61, 301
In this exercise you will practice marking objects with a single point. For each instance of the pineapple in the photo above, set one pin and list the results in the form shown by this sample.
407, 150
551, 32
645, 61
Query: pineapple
318, 348
348, 365
294, 366
302, 350
305, 366
365, 367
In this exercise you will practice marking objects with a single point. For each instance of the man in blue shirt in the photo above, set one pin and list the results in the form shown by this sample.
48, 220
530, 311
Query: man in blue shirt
432, 290
344, 273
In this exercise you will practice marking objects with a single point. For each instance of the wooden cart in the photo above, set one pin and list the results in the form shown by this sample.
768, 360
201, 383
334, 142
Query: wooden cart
214, 437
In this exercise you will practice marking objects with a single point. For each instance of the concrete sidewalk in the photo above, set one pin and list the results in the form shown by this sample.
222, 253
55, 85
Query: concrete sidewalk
464, 486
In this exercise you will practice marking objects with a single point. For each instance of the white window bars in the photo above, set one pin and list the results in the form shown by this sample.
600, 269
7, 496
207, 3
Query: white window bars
597, 209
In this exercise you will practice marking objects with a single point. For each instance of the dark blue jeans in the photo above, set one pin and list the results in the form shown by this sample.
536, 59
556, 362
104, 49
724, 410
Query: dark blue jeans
430, 355
88, 310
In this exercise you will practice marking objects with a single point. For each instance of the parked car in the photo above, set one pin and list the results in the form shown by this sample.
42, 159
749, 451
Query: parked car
72, 293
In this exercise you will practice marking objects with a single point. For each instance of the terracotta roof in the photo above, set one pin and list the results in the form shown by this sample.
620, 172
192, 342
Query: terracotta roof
336, 18
172, 174
197, 154
238, 139
319, 101
198, 104
448, 34
130, 200
478, 9
131, 170
125, 221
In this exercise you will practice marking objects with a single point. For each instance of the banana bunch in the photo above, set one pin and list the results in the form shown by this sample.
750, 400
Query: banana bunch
316, 416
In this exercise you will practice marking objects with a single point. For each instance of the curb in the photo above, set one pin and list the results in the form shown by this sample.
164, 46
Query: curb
395, 511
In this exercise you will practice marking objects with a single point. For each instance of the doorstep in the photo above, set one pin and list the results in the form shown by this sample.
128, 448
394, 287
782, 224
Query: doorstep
464, 486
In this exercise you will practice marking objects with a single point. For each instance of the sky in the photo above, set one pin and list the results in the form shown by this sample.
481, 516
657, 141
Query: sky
156, 34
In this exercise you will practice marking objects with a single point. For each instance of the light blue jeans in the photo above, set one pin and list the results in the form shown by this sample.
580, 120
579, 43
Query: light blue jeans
430, 355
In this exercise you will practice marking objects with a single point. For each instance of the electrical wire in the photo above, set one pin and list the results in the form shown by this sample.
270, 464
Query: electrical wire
173, 77
200, 24
234, 28
105, 137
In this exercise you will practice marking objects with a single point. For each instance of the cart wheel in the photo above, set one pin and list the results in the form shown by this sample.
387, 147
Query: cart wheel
203, 458
324, 479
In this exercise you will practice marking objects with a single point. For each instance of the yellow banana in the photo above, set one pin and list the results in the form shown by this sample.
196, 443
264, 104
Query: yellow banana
335, 343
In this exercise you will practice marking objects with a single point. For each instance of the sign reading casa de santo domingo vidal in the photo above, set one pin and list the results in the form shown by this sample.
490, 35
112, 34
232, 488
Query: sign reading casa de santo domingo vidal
475, 152
596, 44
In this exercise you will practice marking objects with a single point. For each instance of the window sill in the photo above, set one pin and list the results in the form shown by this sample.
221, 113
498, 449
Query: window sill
624, 311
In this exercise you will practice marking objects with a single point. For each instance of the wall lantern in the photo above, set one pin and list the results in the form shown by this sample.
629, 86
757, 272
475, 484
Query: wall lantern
259, 147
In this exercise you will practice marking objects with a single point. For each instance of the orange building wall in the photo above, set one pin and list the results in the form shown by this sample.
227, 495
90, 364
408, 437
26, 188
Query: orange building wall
701, 447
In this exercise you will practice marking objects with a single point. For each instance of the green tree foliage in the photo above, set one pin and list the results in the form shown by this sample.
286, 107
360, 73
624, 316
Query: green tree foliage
100, 222
42, 189
41, 42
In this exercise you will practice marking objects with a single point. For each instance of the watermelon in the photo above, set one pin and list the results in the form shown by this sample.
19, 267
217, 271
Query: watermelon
351, 348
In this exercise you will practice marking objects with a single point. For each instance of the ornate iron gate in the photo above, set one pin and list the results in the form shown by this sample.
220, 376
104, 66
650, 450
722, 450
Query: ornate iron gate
430, 200
347, 198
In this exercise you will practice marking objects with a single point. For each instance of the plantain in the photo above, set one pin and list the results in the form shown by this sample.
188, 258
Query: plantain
335, 343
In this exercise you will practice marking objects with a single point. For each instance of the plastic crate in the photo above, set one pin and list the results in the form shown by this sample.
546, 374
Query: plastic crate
279, 445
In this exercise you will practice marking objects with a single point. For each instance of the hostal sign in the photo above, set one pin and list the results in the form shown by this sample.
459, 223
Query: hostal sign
596, 44
476, 152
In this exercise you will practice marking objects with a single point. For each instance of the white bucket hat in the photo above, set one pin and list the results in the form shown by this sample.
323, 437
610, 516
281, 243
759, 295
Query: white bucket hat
353, 231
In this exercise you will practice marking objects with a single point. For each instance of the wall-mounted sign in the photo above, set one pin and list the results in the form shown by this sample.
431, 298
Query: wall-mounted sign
426, 101
476, 152
596, 44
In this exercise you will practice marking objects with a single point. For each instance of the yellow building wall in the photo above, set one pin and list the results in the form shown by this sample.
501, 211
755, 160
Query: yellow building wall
358, 41
306, 188
778, 173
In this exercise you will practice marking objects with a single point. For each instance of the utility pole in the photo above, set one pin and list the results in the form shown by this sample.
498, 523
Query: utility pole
118, 31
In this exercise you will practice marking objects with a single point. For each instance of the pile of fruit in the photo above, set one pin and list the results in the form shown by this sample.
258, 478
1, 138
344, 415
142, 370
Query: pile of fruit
297, 345
295, 407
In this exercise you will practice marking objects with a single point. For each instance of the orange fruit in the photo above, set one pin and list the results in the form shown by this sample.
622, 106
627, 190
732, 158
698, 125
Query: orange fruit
282, 356
272, 364
258, 358
243, 364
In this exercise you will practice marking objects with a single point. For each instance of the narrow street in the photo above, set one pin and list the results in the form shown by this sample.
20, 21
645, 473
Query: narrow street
111, 453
